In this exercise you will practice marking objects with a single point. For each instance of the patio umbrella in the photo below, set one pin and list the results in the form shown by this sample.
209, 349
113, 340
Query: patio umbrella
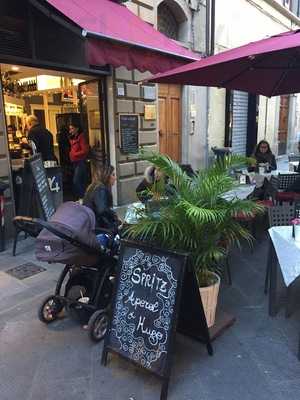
269, 67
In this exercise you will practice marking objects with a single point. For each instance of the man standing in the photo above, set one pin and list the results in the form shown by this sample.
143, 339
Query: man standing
41, 138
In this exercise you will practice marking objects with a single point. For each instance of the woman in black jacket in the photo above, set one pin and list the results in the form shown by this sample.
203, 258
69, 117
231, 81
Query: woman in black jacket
264, 155
98, 197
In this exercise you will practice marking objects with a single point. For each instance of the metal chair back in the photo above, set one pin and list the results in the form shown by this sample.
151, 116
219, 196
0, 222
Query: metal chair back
286, 180
281, 215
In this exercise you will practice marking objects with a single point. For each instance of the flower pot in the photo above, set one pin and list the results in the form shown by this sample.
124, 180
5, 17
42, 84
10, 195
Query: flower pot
209, 297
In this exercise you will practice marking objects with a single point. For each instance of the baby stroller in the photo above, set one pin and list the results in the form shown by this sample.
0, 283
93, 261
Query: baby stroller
85, 286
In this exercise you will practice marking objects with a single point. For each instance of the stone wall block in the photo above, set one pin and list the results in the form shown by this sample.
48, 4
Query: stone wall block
147, 2
139, 107
132, 90
132, 7
147, 124
126, 169
150, 148
124, 106
126, 157
4, 167
140, 76
147, 137
147, 15
2, 145
141, 166
123, 74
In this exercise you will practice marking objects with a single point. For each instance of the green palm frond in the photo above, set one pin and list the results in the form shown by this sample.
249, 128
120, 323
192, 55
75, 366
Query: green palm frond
197, 218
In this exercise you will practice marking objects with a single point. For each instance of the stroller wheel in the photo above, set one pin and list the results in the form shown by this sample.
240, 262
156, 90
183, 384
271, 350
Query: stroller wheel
97, 326
50, 309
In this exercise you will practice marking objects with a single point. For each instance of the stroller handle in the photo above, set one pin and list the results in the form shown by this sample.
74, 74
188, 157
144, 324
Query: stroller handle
27, 223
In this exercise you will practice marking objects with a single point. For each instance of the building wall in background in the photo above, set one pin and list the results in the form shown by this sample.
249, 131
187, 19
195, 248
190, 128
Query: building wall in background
239, 24
190, 16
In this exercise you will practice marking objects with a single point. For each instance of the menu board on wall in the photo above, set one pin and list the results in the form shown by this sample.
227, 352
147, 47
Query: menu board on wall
129, 133
146, 303
42, 185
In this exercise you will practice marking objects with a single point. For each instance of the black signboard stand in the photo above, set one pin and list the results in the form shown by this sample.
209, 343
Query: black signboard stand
129, 133
155, 294
41, 186
36, 197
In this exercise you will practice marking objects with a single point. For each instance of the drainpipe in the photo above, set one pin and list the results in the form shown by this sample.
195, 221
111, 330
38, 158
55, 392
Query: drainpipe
212, 22
207, 28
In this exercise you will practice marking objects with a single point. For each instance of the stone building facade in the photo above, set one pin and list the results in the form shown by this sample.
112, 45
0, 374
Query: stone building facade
183, 21
249, 21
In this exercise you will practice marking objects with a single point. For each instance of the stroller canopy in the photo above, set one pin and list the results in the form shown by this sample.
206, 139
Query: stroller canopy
77, 222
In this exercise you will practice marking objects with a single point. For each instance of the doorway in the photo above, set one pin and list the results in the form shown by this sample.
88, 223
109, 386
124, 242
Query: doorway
57, 99
169, 97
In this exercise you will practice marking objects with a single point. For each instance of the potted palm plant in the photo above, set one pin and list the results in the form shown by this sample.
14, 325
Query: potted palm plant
196, 218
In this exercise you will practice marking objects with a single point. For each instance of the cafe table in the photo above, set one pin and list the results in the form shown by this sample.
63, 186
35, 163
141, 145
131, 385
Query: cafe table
284, 255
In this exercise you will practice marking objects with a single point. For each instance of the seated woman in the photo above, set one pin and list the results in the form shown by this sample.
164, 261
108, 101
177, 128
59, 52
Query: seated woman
152, 176
263, 155
98, 197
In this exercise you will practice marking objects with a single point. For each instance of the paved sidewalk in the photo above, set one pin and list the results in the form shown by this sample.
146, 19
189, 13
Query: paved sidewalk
254, 360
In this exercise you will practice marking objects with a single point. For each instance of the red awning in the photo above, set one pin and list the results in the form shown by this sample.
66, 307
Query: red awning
118, 37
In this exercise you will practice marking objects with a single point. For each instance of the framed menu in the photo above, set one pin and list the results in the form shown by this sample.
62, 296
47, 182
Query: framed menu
129, 133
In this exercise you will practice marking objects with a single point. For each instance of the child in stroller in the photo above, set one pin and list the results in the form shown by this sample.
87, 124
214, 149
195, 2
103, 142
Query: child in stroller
85, 285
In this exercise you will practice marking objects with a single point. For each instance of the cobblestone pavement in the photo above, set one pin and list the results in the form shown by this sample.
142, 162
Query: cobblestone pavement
256, 359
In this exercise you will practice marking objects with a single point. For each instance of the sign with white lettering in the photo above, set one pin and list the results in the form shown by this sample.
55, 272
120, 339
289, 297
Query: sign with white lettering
129, 133
145, 306
42, 185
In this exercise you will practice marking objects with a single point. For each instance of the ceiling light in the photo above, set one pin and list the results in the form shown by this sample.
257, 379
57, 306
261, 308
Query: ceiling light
15, 68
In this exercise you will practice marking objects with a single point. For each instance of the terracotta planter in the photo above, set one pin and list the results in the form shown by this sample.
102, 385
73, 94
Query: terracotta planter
209, 297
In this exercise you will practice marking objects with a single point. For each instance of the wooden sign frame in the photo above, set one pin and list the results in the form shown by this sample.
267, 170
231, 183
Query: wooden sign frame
195, 328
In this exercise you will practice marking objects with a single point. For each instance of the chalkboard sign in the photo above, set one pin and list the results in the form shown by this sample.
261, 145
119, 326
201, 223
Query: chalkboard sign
146, 308
42, 186
129, 133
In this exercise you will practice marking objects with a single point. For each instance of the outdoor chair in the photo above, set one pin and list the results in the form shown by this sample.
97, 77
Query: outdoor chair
280, 184
280, 215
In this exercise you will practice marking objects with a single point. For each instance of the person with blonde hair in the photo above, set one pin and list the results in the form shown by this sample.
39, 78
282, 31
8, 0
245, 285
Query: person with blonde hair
98, 196
41, 138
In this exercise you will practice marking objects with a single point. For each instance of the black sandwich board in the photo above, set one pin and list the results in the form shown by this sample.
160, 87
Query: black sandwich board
154, 290
41, 185
36, 199
129, 133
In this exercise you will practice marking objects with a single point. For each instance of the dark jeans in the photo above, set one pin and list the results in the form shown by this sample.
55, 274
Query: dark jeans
80, 178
